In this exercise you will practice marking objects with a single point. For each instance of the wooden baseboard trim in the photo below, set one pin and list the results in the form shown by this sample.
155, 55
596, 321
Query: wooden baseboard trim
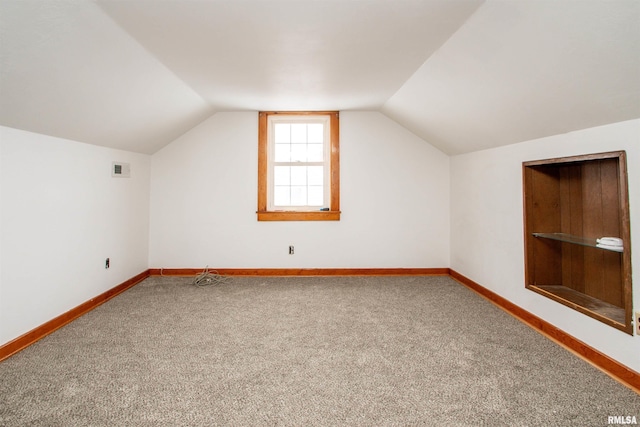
23, 341
303, 271
614, 369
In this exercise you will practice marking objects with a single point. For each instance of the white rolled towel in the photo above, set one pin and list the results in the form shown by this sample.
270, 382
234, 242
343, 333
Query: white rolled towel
610, 241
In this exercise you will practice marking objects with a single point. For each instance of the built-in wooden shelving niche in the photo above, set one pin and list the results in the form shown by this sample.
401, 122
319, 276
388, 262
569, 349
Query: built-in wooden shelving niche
570, 203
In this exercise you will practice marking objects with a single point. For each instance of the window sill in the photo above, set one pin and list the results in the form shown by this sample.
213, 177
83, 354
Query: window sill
299, 216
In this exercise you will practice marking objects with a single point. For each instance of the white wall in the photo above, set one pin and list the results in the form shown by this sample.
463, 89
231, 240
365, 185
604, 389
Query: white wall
487, 242
61, 216
394, 201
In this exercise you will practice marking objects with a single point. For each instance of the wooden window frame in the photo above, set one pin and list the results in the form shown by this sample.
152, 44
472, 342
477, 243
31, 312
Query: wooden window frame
333, 214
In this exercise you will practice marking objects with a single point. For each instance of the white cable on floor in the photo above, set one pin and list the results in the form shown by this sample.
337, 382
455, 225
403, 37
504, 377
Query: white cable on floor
210, 278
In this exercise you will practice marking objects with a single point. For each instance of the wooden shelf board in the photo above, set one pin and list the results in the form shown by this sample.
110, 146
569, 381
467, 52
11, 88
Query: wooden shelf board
609, 313
578, 240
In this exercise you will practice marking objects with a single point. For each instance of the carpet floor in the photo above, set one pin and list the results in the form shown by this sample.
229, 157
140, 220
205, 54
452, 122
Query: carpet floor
304, 351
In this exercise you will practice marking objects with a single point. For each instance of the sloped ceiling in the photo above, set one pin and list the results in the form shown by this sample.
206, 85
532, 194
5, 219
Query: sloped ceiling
69, 71
464, 75
520, 70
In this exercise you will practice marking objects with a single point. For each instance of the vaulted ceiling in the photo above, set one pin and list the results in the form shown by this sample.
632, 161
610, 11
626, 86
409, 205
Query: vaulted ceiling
462, 74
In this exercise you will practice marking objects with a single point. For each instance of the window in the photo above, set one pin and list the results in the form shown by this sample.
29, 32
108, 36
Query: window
298, 166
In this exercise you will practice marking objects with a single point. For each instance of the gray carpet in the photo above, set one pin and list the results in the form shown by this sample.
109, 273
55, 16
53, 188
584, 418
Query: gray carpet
304, 351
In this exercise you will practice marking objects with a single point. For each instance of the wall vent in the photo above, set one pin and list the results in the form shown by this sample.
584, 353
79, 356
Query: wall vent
120, 170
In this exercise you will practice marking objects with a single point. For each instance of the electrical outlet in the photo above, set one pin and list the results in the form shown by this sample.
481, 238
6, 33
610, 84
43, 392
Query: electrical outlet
107, 263
291, 250
636, 318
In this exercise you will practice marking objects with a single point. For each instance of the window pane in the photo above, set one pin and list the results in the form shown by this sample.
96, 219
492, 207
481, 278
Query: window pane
298, 195
281, 175
283, 132
316, 195
315, 175
282, 196
315, 153
298, 152
298, 133
299, 175
283, 153
316, 133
